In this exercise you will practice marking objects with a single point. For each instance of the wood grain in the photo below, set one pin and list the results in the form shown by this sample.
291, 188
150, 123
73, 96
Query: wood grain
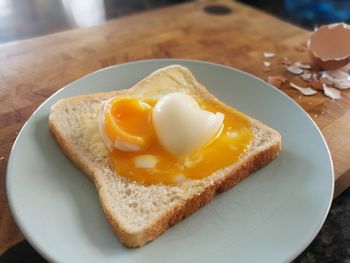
31, 70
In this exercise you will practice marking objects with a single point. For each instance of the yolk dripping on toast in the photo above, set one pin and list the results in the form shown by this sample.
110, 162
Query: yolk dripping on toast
162, 167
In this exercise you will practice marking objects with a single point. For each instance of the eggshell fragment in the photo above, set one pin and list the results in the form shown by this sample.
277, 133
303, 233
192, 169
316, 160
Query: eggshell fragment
269, 54
338, 78
315, 76
346, 68
329, 46
305, 91
306, 76
267, 64
302, 65
295, 69
331, 92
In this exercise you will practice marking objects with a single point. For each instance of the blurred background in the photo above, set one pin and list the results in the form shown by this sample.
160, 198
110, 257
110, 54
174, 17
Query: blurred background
22, 19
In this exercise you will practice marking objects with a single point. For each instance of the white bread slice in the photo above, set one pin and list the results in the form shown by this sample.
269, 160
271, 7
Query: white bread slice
138, 213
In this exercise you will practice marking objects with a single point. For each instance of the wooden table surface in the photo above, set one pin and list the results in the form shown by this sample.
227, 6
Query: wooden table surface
32, 70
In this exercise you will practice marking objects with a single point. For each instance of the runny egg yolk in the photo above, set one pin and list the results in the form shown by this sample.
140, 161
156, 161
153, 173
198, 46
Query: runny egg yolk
129, 120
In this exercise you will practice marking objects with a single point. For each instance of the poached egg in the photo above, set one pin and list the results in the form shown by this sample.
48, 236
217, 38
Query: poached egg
172, 138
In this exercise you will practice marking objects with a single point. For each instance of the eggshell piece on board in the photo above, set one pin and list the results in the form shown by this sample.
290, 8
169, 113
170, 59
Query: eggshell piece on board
329, 46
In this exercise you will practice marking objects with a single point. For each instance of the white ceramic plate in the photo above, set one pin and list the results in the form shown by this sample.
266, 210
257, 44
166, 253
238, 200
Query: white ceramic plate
269, 217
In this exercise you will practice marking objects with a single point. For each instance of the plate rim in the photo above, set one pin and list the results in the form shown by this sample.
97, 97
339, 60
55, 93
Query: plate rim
48, 257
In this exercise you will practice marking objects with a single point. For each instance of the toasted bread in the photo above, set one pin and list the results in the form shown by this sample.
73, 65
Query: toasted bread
140, 213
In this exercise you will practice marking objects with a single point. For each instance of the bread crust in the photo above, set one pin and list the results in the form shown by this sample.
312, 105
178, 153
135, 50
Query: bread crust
191, 205
247, 164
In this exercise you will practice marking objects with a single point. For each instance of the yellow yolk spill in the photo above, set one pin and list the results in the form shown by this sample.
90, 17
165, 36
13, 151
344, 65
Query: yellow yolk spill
169, 169
129, 121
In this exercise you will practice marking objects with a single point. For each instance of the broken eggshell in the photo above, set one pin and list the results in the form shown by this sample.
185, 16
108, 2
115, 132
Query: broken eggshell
338, 78
331, 92
294, 69
267, 64
268, 54
306, 91
329, 46
306, 76
302, 65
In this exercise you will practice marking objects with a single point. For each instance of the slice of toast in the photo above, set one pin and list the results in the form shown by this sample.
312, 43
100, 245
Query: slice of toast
139, 213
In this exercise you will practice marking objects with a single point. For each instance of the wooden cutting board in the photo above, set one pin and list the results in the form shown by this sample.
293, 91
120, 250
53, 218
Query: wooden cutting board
32, 70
